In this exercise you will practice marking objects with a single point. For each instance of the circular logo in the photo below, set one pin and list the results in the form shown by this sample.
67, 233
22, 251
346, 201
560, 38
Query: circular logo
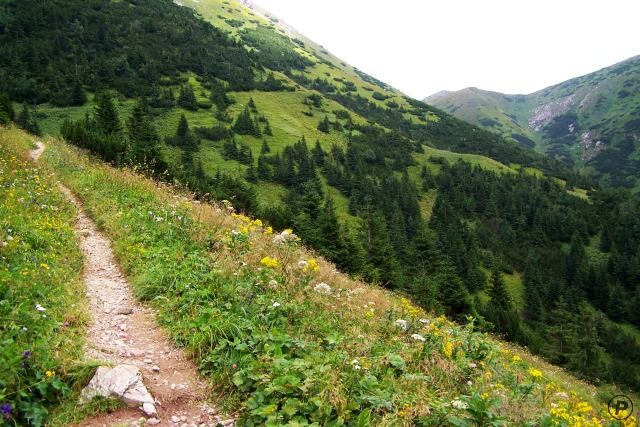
620, 407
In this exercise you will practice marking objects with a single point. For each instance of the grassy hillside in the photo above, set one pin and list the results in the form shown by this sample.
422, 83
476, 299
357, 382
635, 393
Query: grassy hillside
241, 108
591, 121
42, 306
288, 340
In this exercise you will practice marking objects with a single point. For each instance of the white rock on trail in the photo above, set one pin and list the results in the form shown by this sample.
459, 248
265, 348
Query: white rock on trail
123, 382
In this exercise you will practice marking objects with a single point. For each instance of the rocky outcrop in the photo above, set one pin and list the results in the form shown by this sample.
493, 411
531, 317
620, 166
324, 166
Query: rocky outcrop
591, 145
543, 114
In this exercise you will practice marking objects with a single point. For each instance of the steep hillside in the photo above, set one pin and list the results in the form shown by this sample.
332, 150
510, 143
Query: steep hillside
592, 121
287, 339
393, 191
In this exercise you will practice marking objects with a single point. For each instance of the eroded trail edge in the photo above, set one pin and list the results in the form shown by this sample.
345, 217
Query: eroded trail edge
125, 332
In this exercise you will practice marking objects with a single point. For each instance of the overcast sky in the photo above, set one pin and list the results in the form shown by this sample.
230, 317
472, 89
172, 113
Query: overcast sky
511, 46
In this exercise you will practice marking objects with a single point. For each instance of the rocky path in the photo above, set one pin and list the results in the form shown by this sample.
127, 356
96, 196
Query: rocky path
125, 332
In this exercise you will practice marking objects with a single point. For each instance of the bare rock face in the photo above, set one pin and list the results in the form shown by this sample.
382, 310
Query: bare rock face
591, 145
123, 382
543, 114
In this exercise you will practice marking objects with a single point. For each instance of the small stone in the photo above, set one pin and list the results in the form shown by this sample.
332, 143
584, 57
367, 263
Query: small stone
173, 386
85, 233
227, 422
175, 419
149, 409
122, 327
124, 310
153, 421
155, 368
148, 361
183, 418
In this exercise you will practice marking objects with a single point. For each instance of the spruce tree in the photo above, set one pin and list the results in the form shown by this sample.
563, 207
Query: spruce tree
27, 121
498, 291
244, 125
264, 149
561, 334
187, 98
267, 129
252, 105
106, 116
263, 171
317, 154
143, 137
7, 113
78, 96
251, 174
324, 125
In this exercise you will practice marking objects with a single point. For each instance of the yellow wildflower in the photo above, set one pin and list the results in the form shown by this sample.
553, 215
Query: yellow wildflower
536, 374
268, 230
584, 407
447, 349
44, 265
312, 265
50, 374
269, 262
516, 358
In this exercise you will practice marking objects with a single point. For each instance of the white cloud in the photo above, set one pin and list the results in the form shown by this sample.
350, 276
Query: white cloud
510, 46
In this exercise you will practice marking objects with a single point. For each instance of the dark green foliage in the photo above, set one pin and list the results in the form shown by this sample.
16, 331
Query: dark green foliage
107, 119
162, 98
264, 149
245, 125
215, 133
219, 96
143, 138
78, 96
324, 125
187, 98
241, 153
27, 121
48, 51
7, 113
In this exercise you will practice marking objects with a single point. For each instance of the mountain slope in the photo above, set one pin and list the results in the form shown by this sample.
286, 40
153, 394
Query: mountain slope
390, 189
592, 121
289, 340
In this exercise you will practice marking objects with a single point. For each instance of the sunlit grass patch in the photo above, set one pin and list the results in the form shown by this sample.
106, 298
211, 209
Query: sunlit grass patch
42, 305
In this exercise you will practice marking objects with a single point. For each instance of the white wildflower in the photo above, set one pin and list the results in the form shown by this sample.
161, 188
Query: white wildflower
473, 365
272, 282
469, 383
402, 324
40, 308
459, 404
235, 233
356, 364
424, 321
562, 395
9, 238
322, 288
284, 237
276, 304
418, 337
302, 263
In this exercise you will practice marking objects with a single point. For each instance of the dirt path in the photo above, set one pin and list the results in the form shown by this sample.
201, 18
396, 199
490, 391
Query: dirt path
123, 331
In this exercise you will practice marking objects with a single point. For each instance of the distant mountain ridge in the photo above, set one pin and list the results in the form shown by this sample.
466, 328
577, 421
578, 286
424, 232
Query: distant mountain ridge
592, 121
